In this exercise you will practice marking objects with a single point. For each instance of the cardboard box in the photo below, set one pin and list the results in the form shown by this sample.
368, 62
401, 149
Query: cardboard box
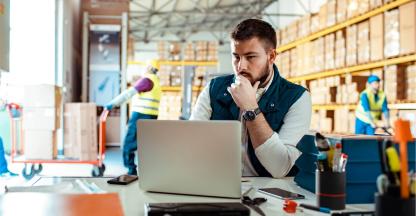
80, 131
340, 49
376, 37
391, 33
394, 78
39, 145
408, 28
315, 23
113, 131
363, 6
42, 96
375, 3
304, 26
329, 51
331, 13
351, 58
341, 10
41, 118
323, 14
352, 10
363, 42
278, 37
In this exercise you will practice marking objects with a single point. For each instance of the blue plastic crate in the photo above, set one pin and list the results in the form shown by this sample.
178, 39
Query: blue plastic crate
362, 169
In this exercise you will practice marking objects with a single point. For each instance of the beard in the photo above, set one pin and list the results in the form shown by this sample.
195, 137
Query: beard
265, 72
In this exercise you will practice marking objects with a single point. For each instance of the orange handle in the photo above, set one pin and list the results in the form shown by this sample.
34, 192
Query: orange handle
402, 136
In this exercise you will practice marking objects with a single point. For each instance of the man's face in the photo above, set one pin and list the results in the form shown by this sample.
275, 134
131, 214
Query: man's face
251, 59
375, 86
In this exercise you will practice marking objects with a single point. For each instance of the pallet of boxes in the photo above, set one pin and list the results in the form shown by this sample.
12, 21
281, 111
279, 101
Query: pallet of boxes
80, 131
40, 121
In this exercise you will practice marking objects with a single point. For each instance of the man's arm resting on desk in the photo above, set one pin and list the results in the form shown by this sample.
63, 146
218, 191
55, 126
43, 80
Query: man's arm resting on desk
278, 153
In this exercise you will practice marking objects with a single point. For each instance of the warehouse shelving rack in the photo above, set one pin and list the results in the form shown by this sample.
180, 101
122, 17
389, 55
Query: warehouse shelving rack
356, 69
342, 25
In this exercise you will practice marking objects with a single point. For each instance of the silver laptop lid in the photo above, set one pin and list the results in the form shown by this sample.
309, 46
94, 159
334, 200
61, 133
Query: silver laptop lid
190, 157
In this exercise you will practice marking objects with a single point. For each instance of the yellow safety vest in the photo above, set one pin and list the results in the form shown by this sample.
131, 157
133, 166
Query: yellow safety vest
375, 107
148, 102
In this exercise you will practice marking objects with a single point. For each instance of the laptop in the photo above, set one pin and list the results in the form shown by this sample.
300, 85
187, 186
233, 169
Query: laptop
190, 157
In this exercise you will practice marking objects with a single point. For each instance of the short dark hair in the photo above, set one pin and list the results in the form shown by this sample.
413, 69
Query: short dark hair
249, 28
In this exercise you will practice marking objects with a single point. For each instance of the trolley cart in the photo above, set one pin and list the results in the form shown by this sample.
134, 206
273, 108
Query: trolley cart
33, 167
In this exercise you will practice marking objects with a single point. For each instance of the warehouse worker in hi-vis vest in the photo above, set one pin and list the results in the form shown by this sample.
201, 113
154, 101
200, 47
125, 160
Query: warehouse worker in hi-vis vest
372, 104
146, 94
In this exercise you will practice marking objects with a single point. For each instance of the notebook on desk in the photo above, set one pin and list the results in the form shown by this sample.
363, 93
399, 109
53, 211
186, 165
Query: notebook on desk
190, 157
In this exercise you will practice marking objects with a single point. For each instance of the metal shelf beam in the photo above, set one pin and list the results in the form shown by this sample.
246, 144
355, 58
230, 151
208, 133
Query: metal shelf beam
355, 69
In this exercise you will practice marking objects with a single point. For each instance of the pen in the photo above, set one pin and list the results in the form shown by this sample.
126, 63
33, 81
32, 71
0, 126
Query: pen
315, 208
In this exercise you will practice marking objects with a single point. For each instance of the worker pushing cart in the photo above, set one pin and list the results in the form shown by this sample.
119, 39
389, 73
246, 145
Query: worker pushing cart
146, 94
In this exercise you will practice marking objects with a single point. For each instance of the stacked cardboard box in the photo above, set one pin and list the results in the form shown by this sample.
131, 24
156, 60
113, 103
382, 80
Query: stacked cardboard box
170, 106
307, 58
189, 52
284, 36
304, 26
330, 51
411, 82
341, 123
293, 62
352, 8
164, 75
284, 64
363, 6
319, 55
200, 76
41, 118
375, 4
408, 28
394, 78
376, 35
201, 50
161, 50
351, 58
212, 51
323, 15
340, 49
331, 13
349, 89
363, 40
315, 26
278, 37
176, 76
293, 31
80, 131
175, 51
322, 120
391, 33
341, 10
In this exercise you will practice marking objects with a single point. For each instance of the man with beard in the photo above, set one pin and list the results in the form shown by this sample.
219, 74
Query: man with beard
274, 112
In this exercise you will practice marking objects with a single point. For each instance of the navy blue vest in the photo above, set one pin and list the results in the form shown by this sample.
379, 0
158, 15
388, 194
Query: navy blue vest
274, 104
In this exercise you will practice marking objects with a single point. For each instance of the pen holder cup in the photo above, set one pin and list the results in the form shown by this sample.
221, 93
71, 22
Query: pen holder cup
330, 189
393, 205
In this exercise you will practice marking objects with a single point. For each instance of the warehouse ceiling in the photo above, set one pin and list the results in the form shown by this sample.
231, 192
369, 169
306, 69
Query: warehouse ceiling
153, 20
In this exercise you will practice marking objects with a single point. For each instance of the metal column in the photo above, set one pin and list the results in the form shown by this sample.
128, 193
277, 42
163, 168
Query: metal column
123, 86
188, 75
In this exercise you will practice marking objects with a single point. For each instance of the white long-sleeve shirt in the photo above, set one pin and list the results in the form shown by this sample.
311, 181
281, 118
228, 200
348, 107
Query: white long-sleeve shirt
278, 153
